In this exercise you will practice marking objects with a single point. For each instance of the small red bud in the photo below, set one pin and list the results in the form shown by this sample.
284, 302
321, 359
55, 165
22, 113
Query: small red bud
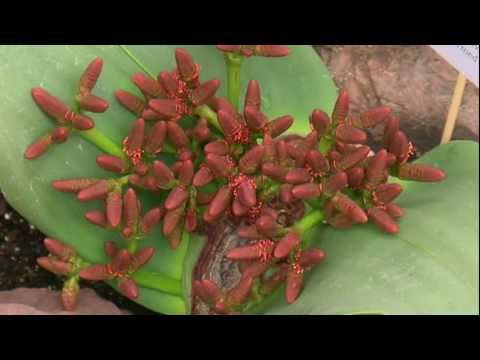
253, 98
156, 138
335, 183
60, 135
350, 135
131, 102
62, 251
96, 273
191, 220
204, 92
73, 185
114, 206
286, 245
38, 148
51, 105
201, 131
395, 211
165, 107
376, 169
392, 125
54, 266
383, 220
221, 201
294, 286
420, 172
129, 288
279, 125
149, 87
99, 190
306, 191
298, 176
353, 158
69, 295
246, 193
386, 193
176, 198
92, 103
341, 108
171, 220
97, 218
150, 219
186, 65
251, 160
355, 177
177, 135
90, 76
130, 209
218, 147
255, 119
203, 177
372, 117
249, 232
399, 146
349, 207
319, 121
82, 122
311, 257
238, 209
112, 163
271, 50
286, 195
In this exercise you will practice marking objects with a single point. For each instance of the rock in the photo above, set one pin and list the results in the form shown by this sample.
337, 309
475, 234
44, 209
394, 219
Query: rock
23, 301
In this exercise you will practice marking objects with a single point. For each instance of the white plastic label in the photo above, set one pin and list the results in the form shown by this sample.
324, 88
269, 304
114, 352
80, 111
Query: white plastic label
464, 58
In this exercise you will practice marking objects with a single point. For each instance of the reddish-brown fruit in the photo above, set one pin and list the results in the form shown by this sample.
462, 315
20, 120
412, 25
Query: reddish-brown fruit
217, 104
38, 148
350, 208
186, 66
97, 217
320, 121
162, 173
111, 163
92, 103
73, 185
270, 149
293, 285
204, 92
341, 108
62, 251
51, 105
165, 107
386, 193
420, 172
286, 245
156, 138
60, 135
350, 135
383, 220
253, 98
114, 207
133, 103
177, 135
129, 288
279, 125
99, 190
353, 158
149, 87
298, 176
221, 201
150, 220
335, 183
395, 211
306, 191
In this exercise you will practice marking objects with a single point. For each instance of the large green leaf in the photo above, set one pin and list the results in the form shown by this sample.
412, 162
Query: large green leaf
430, 267
293, 85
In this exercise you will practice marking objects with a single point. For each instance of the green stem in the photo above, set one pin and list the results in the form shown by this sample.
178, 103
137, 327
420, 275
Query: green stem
100, 140
159, 282
309, 221
137, 61
234, 63
207, 113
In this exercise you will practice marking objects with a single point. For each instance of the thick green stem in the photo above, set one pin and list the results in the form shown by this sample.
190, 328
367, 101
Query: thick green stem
159, 282
137, 61
234, 63
309, 221
207, 113
100, 140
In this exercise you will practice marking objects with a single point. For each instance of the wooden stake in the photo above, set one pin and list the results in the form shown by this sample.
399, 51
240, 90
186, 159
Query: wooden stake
454, 109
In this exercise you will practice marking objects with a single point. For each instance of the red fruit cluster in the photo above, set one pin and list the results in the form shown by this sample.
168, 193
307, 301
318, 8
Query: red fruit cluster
249, 171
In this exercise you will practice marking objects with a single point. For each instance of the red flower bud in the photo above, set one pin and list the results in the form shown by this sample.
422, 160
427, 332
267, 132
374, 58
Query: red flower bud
399, 146
130, 209
221, 166
262, 250
60, 135
281, 149
185, 173
218, 147
251, 160
340, 221
273, 282
162, 173
353, 158
191, 220
165, 107
129, 288
111, 249
298, 176
90, 76
62, 251
221, 201
246, 193
203, 177
98, 190
317, 162
275, 172
112, 163
177, 135
420, 172
286, 195
96, 273
55, 266
386, 193
186, 66
156, 138
121, 261
391, 128
150, 219
175, 238
271, 50
391, 160
141, 257
171, 220
372, 117
383, 220
131, 102
349, 207
311, 257
294, 285
350, 135
306, 191
279, 125
229, 48
168, 82
151, 115
97, 218
149, 87
204, 92
376, 169
223, 104
238, 209
340, 110
355, 177
395, 211
229, 124
201, 131
253, 98
286, 245
311, 140
319, 121
210, 291
81, 122
51, 105
176, 198
114, 208
38, 148
267, 225
134, 142
73, 185
89, 102
335, 183
255, 119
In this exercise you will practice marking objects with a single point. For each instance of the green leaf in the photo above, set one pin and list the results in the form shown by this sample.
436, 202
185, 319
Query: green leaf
293, 85
430, 267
